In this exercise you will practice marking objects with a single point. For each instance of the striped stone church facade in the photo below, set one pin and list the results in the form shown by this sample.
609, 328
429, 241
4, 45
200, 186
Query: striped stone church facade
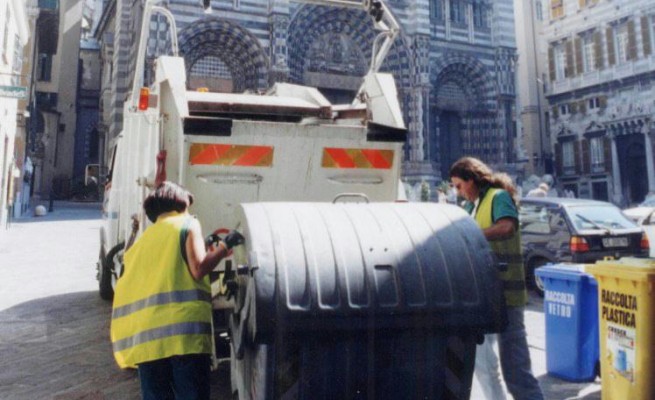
453, 63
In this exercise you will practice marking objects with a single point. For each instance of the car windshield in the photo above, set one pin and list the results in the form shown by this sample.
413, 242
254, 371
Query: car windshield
599, 217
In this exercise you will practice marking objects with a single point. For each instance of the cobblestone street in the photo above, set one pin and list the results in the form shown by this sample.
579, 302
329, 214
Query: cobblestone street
54, 328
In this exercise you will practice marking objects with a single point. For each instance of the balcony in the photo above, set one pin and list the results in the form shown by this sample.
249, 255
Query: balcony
591, 78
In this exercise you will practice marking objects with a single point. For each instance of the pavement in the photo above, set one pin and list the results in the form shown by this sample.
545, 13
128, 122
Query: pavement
54, 328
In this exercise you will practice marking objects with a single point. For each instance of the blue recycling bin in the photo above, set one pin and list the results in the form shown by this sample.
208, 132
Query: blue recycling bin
571, 310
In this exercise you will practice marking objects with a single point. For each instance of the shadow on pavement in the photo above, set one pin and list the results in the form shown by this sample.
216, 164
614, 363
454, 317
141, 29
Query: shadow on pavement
58, 347
554, 388
64, 211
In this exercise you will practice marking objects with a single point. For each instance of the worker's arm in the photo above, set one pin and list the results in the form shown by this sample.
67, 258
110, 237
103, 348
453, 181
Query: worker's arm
502, 229
199, 260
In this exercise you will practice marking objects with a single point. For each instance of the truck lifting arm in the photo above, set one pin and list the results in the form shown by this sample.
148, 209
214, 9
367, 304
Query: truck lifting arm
383, 20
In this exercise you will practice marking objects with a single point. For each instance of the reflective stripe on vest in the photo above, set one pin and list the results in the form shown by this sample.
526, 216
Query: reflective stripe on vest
183, 328
160, 310
507, 251
160, 299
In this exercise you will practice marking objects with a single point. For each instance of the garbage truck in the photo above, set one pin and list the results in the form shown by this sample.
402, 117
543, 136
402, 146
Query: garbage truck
341, 291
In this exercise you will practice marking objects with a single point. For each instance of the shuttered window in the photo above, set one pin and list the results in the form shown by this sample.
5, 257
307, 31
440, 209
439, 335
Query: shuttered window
568, 158
621, 43
556, 9
560, 62
597, 154
436, 10
648, 34
588, 53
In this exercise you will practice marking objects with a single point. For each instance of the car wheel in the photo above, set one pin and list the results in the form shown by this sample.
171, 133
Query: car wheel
534, 281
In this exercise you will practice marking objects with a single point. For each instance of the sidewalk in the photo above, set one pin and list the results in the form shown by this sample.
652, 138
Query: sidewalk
66, 237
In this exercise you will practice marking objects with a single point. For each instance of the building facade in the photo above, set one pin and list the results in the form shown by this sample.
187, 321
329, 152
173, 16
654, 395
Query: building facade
14, 30
453, 63
601, 68
53, 121
532, 105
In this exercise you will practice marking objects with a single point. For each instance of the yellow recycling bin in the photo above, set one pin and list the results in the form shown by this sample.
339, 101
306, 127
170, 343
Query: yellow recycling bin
626, 301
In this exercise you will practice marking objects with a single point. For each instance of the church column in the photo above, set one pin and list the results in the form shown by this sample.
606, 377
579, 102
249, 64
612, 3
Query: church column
650, 163
616, 174
418, 167
278, 51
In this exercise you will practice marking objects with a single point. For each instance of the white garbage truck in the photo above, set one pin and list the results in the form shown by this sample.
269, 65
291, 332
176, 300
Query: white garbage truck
340, 291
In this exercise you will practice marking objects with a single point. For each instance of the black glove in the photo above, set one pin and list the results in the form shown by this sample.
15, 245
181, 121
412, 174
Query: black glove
211, 239
233, 238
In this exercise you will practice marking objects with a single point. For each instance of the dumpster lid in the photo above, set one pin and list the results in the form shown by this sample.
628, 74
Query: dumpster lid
626, 267
563, 271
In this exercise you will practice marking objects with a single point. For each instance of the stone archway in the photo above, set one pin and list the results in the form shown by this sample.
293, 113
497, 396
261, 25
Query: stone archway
463, 112
330, 48
224, 51
632, 161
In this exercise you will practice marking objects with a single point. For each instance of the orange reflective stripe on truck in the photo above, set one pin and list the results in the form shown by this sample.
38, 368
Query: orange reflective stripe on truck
230, 154
334, 157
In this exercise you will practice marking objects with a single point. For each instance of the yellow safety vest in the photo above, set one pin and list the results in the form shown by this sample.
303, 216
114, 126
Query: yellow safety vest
160, 310
508, 251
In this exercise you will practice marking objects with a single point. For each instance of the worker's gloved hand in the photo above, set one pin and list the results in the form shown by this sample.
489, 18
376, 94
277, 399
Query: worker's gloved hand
211, 240
233, 238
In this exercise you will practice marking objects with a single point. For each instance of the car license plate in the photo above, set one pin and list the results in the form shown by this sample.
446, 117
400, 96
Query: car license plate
615, 242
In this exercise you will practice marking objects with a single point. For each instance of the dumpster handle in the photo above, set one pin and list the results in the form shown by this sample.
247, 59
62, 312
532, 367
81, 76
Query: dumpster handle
362, 195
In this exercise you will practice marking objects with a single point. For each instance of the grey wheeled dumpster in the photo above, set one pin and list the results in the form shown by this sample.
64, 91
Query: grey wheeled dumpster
370, 301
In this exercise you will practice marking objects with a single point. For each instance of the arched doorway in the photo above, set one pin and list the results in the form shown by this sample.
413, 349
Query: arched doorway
633, 168
329, 49
461, 120
223, 56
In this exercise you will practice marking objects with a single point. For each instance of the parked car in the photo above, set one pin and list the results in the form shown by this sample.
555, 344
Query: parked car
644, 216
557, 230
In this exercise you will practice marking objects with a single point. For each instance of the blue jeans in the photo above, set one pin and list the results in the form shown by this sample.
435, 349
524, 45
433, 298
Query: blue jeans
178, 377
515, 358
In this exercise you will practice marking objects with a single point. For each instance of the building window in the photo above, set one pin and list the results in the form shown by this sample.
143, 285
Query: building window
564, 109
6, 48
621, 43
652, 32
458, 12
560, 62
597, 150
539, 8
568, 158
436, 10
479, 16
556, 9
593, 103
588, 53
45, 67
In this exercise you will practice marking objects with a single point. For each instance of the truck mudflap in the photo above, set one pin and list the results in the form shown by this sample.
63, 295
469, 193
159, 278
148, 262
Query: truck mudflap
381, 300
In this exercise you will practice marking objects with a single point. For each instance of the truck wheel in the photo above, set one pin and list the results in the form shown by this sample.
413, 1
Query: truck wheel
110, 268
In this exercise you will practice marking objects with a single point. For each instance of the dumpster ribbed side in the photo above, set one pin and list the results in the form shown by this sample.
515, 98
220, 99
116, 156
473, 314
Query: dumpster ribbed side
361, 301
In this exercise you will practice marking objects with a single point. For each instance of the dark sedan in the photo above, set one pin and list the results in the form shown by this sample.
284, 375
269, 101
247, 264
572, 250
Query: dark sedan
575, 230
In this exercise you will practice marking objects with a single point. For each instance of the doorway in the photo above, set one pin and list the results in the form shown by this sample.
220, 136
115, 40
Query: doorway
450, 139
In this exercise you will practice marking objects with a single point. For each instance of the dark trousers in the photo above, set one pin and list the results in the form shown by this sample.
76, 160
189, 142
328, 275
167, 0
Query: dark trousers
178, 377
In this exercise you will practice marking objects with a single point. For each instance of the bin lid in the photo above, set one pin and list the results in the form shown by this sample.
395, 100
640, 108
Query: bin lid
329, 267
626, 267
564, 271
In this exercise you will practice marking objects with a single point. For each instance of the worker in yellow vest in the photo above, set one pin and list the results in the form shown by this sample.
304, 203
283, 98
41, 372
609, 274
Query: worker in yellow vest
490, 200
162, 314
